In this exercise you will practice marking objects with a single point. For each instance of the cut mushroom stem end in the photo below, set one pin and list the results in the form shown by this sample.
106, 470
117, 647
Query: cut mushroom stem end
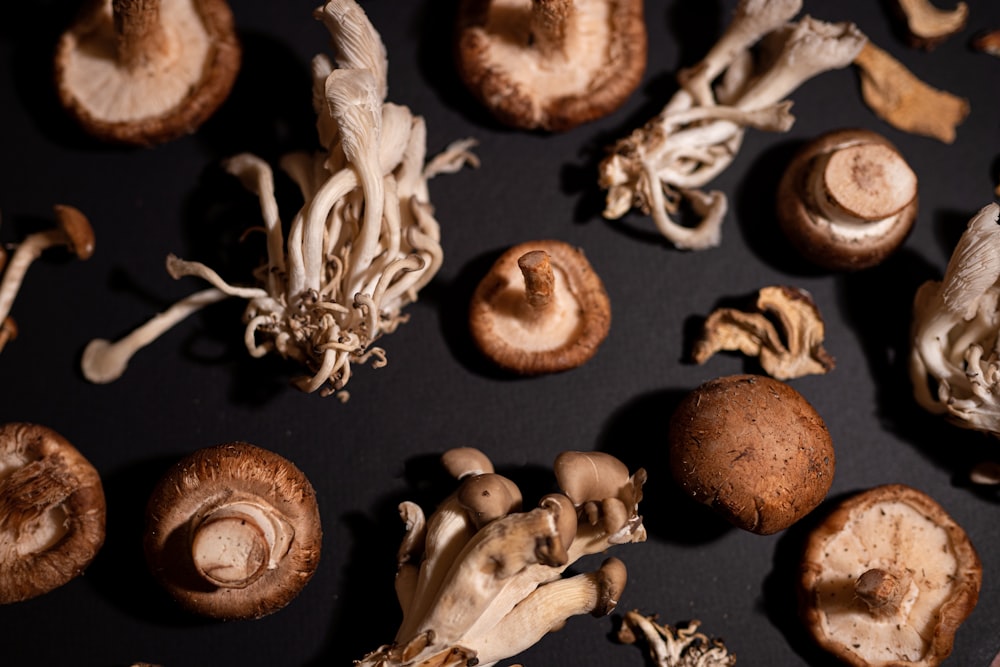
881, 591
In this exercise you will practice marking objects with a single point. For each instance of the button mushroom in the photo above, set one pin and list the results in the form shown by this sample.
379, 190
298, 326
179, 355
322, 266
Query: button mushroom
233, 531
540, 309
551, 64
143, 72
847, 200
753, 449
52, 511
887, 579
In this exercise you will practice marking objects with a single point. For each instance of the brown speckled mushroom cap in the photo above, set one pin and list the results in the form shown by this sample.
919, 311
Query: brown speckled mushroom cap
233, 531
540, 309
148, 71
551, 64
52, 511
887, 578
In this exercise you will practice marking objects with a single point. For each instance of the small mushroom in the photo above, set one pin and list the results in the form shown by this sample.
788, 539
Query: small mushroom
987, 41
928, 25
52, 511
753, 449
675, 647
551, 64
540, 309
233, 531
887, 579
847, 200
143, 72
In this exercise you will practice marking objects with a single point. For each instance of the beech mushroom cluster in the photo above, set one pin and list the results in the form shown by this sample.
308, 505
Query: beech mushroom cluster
480, 579
360, 248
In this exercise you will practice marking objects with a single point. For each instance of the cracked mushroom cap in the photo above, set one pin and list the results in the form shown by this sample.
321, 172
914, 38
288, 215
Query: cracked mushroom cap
540, 309
888, 578
52, 511
233, 531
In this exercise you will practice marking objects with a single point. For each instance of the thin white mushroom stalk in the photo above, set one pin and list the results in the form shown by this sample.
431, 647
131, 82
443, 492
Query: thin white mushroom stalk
742, 82
480, 580
363, 244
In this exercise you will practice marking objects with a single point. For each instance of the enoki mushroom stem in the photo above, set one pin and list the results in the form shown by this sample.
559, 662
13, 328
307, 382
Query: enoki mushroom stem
880, 590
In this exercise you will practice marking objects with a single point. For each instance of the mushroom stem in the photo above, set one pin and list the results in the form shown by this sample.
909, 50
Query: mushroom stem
539, 279
864, 182
233, 545
549, 23
26, 252
880, 590
138, 31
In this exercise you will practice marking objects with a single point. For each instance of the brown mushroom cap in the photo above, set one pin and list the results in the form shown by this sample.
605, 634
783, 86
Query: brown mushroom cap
52, 511
551, 64
76, 226
256, 504
753, 449
887, 578
540, 309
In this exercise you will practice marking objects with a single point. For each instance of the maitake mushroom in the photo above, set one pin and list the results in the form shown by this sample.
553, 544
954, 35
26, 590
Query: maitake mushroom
699, 132
928, 25
233, 531
887, 579
361, 247
675, 647
479, 580
52, 511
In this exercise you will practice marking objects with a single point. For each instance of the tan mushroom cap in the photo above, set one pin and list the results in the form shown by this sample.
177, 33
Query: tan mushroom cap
551, 64
150, 74
76, 226
52, 511
233, 531
888, 578
540, 309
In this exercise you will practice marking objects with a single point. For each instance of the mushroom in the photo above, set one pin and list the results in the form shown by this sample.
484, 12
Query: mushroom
361, 247
887, 579
987, 41
675, 647
143, 72
551, 64
928, 25
541, 308
794, 351
233, 531
52, 511
753, 449
847, 200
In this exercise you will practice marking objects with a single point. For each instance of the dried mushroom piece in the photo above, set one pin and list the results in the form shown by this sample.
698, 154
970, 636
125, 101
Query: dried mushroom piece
887, 579
928, 25
551, 64
52, 511
675, 647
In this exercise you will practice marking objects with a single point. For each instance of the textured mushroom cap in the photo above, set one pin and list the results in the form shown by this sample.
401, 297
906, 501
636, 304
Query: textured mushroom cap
218, 476
52, 511
904, 532
77, 228
753, 449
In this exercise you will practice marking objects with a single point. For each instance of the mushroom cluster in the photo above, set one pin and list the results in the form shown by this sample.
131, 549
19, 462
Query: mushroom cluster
480, 579
675, 647
358, 251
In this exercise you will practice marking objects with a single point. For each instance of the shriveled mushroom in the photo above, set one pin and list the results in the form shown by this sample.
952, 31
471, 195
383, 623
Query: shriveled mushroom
665, 163
847, 200
551, 64
475, 593
793, 351
233, 531
753, 449
358, 251
675, 647
540, 309
143, 72
887, 579
52, 511
929, 25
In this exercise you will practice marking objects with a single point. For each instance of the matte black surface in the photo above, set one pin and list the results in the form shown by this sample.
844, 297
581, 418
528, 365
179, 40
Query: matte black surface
197, 386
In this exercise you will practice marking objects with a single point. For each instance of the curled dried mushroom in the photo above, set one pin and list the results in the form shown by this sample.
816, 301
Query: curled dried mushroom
929, 25
675, 647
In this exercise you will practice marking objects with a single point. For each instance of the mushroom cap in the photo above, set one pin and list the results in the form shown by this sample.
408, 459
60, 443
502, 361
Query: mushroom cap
76, 226
563, 339
753, 449
883, 216
52, 511
215, 477
900, 530
171, 93
601, 61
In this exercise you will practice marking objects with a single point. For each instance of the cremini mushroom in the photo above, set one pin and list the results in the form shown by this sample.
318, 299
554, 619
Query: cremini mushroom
475, 592
887, 579
233, 531
551, 64
360, 248
753, 449
541, 308
143, 72
929, 25
847, 199
675, 647
52, 511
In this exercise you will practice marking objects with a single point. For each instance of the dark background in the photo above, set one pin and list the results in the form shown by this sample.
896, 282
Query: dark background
198, 387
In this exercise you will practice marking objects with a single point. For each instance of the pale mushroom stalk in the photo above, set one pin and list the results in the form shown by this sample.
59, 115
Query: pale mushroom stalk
675, 647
